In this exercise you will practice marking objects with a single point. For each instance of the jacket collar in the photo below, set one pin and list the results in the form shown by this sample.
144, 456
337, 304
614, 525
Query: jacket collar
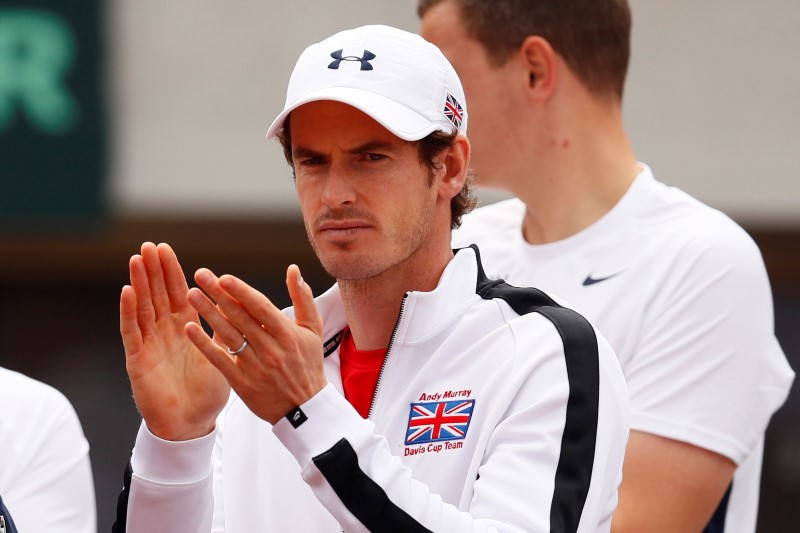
424, 313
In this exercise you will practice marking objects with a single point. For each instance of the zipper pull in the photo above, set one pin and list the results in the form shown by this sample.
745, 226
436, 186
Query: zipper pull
2, 524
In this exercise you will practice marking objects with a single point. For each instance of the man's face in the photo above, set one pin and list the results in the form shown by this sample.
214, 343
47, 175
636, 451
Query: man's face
490, 102
365, 196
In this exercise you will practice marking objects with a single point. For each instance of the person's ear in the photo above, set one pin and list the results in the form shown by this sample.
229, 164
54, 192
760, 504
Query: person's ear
454, 167
539, 60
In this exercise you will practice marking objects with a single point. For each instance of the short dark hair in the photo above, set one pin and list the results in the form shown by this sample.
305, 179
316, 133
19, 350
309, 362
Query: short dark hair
429, 149
593, 36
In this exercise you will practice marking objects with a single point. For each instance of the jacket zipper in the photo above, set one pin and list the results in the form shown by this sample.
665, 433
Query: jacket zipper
2, 524
380, 374
385, 359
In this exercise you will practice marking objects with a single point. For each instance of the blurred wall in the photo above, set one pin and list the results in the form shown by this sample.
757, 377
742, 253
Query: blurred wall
710, 101
196, 83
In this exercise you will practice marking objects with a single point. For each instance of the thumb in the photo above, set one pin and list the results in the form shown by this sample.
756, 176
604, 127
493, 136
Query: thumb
305, 309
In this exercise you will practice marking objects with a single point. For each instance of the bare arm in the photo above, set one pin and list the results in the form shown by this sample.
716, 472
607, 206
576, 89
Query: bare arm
669, 485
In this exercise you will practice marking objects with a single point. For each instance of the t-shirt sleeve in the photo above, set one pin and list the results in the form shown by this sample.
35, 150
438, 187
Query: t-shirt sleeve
709, 370
53, 490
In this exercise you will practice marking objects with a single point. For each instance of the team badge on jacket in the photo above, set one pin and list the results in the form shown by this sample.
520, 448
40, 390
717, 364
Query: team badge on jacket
438, 421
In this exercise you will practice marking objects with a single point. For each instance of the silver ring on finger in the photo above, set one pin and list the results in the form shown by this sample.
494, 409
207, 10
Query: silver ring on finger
240, 349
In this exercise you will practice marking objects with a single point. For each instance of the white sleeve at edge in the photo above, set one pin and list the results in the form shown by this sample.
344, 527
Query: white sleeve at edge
709, 370
171, 486
58, 494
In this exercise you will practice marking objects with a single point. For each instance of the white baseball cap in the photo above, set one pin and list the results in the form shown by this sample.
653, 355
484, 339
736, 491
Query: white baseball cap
399, 79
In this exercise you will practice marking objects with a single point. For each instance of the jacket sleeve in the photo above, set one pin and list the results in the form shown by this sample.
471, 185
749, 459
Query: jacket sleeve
171, 485
365, 487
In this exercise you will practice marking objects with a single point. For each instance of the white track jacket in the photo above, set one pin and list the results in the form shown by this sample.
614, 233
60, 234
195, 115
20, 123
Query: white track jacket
497, 409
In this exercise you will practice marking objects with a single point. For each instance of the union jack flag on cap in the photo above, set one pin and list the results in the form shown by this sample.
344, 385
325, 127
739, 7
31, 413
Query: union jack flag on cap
453, 110
438, 421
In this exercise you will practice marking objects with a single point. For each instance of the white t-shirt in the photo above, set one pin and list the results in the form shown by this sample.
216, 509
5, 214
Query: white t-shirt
681, 293
45, 474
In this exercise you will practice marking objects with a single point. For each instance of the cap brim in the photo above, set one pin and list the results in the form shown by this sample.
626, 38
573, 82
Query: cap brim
398, 119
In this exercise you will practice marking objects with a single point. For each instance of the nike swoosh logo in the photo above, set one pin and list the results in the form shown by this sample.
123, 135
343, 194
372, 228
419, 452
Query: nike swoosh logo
591, 281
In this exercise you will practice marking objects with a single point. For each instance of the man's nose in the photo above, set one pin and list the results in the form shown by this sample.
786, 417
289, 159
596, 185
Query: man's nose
339, 187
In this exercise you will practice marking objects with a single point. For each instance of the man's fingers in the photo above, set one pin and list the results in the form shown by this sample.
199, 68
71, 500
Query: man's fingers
145, 314
252, 314
252, 310
216, 355
174, 279
155, 279
224, 331
305, 309
226, 304
128, 322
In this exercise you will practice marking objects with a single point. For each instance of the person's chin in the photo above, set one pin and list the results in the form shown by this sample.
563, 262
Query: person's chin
350, 263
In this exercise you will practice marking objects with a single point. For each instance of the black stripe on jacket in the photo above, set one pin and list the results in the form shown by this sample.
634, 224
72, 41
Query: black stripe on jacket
717, 522
576, 461
368, 502
121, 523
364, 498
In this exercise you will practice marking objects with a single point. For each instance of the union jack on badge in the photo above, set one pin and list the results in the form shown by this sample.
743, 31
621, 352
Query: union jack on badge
438, 421
453, 110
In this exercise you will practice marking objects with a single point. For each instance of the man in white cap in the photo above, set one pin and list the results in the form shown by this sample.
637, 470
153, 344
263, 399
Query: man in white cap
415, 394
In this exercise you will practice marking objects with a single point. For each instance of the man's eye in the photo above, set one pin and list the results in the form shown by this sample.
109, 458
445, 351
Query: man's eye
312, 161
375, 157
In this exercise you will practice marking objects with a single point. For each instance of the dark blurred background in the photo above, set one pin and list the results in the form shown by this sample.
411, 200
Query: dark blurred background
137, 120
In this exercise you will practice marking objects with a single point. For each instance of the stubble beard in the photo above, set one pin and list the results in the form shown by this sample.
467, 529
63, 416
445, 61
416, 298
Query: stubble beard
346, 265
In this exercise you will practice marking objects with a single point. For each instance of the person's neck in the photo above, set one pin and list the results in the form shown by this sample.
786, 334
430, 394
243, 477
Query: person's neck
577, 174
373, 305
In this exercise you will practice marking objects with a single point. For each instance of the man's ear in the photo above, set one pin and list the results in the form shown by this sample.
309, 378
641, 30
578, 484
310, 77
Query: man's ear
454, 167
539, 61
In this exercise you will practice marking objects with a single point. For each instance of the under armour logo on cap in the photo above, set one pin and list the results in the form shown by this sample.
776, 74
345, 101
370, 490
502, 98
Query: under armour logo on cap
338, 58
394, 76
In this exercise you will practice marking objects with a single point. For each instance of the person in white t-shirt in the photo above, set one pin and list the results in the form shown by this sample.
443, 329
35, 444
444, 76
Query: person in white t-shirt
679, 289
45, 473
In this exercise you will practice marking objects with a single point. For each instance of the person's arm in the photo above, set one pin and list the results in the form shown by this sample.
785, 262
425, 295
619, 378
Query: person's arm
177, 391
669, 485
350, 467
704, 381
54, 491
523, 483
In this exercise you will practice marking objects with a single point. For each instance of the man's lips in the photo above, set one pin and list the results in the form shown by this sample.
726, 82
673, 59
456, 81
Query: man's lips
342, 228
342, 225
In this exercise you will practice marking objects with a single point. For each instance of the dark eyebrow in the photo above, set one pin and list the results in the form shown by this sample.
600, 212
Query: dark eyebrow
301, 152
305, 153
373, 146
